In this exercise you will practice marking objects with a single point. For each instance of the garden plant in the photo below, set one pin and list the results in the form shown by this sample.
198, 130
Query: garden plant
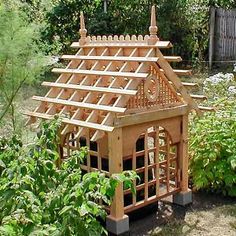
38, 197
213, 138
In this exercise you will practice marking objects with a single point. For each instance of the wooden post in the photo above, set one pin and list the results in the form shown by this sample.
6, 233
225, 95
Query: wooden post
184, 197
183, 155
211, 36
117, 222
115, 151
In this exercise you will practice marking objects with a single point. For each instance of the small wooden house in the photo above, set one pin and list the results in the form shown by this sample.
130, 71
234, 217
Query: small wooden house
120, 97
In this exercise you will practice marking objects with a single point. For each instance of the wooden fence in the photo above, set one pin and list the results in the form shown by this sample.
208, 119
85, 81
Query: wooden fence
222, 46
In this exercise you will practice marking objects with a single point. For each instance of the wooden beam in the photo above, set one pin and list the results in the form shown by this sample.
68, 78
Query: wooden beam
186, 84
172, 76
72, 121
196, 96
207, 108
100, 73
173, 58
85, 105
86, 81
91, 88
110, 58
159, 44
189, 84
121, 100
148, 116
181, 72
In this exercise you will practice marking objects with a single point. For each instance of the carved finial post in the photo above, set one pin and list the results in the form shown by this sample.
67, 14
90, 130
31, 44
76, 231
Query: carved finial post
153, 27
82, 30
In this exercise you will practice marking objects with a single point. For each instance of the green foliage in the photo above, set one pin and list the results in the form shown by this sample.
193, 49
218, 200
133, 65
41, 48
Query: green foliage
37, 198
20, 60
213, 139
184, 22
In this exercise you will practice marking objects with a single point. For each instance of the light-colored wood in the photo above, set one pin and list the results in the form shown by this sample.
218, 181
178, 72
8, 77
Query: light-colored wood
207, 108
196, 96
183, 155
51, 92
158, 44
186, 84
181, 72
150, 201
103, 94
132, 84
90, 96
157, 162
72, 121
150, 116
134, 167
167, 162
146, 166
106, 97
90, 88
173, 58
116, 166
82, 30
100, 73
153, 27
80, 104
110, 58
176, 81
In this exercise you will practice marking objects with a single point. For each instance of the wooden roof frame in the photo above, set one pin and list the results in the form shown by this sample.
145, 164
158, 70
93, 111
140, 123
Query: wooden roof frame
80, 90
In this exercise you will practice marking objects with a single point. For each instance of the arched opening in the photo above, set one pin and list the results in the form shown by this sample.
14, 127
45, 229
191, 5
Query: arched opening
154, 159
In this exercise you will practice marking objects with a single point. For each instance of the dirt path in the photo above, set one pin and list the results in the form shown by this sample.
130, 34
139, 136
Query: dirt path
209, 215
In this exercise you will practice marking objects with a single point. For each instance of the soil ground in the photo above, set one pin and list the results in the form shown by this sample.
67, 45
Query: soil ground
208, 215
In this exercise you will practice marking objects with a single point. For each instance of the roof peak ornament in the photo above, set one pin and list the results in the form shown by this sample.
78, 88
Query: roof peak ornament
82, 31
153, 27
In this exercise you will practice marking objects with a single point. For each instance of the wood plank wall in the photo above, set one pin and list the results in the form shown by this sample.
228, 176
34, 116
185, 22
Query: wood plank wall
224, 35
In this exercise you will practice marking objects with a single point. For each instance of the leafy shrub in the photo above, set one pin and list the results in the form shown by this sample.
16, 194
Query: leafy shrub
213, 139
37, 198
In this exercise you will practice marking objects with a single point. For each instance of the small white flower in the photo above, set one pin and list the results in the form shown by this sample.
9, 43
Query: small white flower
232, 89
234, 70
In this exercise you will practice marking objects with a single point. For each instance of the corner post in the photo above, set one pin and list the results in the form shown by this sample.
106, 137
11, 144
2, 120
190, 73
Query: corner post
117, 222
185, 196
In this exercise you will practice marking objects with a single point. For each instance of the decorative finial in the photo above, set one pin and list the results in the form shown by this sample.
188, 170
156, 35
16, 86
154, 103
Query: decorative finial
82, 30
153, 27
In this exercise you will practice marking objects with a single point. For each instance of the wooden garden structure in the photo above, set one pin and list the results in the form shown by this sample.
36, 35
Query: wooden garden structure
120, 97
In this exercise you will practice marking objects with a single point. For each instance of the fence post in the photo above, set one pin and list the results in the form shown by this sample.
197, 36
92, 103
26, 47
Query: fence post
211, 34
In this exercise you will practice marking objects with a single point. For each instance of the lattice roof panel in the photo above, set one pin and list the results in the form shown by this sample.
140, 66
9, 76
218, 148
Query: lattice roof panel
111, 76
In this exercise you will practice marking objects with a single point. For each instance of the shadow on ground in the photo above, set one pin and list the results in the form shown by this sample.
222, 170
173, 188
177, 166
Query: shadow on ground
209, 214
